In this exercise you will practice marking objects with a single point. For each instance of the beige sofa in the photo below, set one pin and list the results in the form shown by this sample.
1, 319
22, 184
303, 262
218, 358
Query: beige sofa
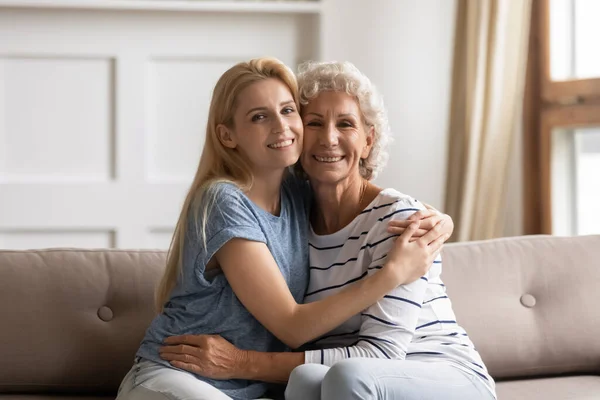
71, 320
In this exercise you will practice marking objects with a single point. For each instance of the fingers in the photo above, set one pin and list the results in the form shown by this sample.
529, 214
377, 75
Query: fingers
179, 348
427, 223
433, 233
431, 222
399, 223
436, 245
449, 225
180, 352
399, 231
186, 366
412, 228
183, 339
422, 214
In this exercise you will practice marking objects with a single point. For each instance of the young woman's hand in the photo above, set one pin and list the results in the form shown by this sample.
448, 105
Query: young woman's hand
428, 219
411, 259
206, 355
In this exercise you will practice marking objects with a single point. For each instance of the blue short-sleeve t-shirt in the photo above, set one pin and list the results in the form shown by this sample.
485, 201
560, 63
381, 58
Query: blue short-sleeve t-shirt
204, 303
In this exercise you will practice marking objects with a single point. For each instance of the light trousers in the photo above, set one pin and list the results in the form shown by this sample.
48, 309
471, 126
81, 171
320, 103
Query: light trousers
369, 378
148, 380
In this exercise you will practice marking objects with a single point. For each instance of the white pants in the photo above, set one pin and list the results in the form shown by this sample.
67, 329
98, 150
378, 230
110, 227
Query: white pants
148, 380
368, 378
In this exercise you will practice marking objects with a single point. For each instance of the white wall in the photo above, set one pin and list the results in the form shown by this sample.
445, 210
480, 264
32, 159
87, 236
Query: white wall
116, 68
102, 113
405, 47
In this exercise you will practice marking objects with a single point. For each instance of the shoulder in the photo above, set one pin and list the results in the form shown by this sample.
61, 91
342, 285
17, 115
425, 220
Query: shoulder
223, 204
391, 203
224, 194
222, 190
222, 213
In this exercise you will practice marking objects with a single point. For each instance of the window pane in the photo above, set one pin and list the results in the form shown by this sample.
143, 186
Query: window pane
587, 145
561, 39
575, 170
574, 36
563, 183
587, 36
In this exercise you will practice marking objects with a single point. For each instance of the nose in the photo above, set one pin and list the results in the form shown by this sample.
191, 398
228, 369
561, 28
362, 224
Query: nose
279, 124
328, 136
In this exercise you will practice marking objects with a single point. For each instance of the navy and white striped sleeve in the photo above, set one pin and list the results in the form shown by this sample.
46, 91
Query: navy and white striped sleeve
388, 326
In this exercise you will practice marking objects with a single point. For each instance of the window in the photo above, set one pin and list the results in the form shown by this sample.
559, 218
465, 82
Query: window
562, 119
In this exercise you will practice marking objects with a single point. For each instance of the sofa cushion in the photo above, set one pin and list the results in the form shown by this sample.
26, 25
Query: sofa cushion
530, 304
72, 320
572, 388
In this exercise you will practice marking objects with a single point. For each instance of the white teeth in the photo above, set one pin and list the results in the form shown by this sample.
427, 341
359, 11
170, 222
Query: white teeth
285, 143
328, 159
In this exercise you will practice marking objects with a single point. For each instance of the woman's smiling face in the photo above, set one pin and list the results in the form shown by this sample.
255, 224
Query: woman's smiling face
335, 138
267, 127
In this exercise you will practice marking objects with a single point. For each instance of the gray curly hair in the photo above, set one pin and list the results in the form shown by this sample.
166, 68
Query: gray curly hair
316, 77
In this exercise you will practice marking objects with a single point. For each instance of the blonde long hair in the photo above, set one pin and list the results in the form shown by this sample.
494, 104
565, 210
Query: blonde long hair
218, 163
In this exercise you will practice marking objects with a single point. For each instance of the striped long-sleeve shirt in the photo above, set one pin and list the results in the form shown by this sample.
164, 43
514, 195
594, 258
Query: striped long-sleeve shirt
413, 322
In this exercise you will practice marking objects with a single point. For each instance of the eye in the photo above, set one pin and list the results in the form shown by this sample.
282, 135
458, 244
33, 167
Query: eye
258, 117
288, 110
345, 124
313, 123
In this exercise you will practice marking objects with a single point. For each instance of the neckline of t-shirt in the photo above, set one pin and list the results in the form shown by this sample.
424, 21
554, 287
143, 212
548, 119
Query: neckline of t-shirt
265, 213
326, 240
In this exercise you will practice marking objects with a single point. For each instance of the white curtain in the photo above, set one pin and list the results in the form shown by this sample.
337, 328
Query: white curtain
490, 59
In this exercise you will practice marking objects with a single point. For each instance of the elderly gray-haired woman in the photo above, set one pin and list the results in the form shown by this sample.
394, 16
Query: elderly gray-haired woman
408, 345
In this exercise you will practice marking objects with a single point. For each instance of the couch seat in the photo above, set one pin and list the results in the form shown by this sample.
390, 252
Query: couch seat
560, 388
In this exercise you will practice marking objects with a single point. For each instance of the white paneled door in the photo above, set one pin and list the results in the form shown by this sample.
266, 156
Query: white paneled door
102, 116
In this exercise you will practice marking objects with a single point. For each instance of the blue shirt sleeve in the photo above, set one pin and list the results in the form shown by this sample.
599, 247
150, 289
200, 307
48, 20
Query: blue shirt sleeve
230, 216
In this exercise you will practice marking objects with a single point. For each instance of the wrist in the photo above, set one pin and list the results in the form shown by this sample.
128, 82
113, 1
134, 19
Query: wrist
393, 274
253, 364
245, 368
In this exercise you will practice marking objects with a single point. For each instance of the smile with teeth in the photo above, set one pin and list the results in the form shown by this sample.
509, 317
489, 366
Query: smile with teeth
279, 145
328, 159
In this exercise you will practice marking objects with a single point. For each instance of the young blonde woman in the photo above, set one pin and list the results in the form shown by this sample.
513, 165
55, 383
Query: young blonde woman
238, 263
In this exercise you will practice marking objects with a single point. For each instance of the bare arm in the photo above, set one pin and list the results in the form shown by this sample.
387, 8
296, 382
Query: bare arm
256, 280
269, 367
216, 358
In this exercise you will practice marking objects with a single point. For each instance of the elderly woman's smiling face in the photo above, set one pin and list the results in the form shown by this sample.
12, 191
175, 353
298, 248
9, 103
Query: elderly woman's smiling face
335, 138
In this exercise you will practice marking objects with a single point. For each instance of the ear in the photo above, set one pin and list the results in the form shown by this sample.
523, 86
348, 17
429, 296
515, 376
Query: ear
226, 136
369, 143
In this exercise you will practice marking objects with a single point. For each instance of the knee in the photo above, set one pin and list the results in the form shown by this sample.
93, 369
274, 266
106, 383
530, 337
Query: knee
348, 380
305, 382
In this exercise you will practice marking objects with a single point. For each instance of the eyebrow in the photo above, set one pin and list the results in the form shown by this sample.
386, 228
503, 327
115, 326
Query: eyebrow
338, 116
265, 108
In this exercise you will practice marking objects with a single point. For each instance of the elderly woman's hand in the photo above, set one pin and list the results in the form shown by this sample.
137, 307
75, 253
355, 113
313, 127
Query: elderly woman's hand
206, 355
428, 219
409, 260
